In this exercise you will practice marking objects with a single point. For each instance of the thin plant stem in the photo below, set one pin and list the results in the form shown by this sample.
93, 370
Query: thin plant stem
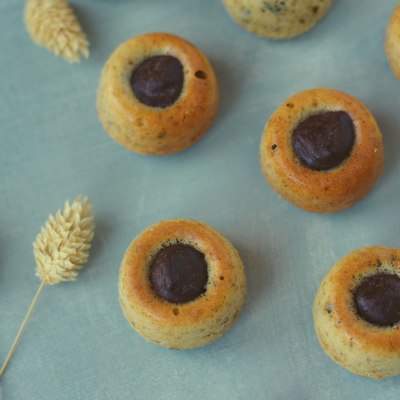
20, 329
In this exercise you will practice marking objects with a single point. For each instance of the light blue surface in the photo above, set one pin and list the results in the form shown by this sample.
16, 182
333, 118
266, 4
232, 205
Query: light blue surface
77, 344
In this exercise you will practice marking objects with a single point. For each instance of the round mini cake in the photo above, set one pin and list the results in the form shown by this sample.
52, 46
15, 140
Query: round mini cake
392, 42
321, 150
276, 19
356, 312
157, 95
181, 284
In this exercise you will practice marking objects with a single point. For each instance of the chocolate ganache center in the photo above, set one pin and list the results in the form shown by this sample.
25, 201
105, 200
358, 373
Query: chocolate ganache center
158, 81
377, 299
323, 141
179, 273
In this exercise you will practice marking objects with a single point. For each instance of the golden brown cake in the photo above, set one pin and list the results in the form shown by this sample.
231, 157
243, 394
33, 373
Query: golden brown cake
356, 312
276, 19
321, 150
183, 324
392, 41
157, 95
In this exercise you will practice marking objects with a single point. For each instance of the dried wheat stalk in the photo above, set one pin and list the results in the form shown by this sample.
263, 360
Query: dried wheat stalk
53, 24
60, 249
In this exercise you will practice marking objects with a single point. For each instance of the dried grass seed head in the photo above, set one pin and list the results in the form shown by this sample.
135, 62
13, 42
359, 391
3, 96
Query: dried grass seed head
62, 245
53, 24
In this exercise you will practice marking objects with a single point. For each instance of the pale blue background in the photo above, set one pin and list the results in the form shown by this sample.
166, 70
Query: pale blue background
77, 344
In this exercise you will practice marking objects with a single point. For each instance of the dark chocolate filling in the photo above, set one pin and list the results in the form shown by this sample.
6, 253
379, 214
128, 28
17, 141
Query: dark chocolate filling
323, 141
158, 81
179, 273
377, 299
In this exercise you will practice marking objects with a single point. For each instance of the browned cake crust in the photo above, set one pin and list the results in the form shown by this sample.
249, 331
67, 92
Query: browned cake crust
320, 191
392, 42
352, 342
154, 130
192, 324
